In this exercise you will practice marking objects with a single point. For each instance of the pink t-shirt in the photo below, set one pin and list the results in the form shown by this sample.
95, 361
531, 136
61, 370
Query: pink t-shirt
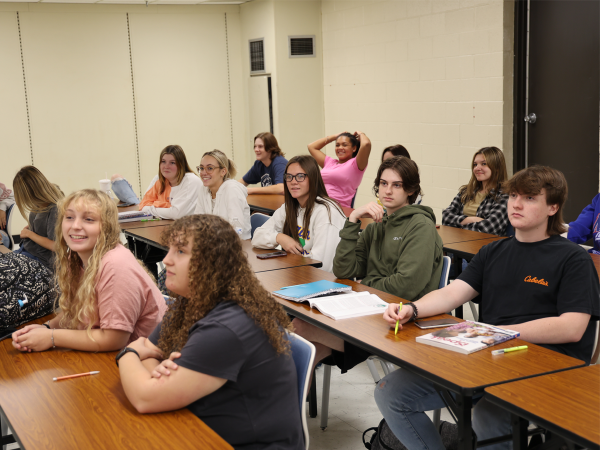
341, 180
128, 299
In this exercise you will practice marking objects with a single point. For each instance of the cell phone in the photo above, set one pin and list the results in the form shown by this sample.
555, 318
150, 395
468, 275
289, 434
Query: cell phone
5, 333
271, 255
123, 205
437, 323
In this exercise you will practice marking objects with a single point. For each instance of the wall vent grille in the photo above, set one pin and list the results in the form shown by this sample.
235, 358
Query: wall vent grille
301, 46
257, 56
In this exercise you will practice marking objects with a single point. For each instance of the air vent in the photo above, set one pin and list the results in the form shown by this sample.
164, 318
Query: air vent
301, 46
257, 56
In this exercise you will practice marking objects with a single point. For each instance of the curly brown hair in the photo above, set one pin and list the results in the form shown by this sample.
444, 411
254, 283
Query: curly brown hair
219, 272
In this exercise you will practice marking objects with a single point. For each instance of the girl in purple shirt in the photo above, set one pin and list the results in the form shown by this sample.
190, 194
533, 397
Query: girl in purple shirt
342, 176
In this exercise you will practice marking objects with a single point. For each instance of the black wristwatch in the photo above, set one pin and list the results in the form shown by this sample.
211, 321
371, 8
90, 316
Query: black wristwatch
122, 352
415, 313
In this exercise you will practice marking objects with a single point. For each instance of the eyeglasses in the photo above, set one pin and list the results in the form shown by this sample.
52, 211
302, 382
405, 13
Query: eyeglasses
397, 185
208, 169
300, 177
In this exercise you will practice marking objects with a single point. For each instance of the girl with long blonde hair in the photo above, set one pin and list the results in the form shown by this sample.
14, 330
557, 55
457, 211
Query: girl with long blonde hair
36, 198
107, 299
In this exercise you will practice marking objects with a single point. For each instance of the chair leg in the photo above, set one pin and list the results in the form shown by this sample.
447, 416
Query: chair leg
312, 397
373, 369
3, 428
437, 415
325, 396
387, 367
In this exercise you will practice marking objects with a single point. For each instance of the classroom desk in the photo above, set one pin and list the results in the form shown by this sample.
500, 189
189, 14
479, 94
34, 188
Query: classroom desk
140, 224
265, 203
3, 249
464, 375
151, 236
565, 403
468, 249
451, 235
87, 412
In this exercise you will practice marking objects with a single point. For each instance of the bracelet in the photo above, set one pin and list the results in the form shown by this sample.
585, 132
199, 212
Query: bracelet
52, 338
415, 312
47, 324
124, 352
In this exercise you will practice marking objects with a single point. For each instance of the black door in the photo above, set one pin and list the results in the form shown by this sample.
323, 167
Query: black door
564, 80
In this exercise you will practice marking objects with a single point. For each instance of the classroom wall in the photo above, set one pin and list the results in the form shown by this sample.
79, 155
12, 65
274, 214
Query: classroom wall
434, 76
101, 89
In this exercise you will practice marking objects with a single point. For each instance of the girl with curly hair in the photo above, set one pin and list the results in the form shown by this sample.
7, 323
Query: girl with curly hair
107, 299
227, 334
309, 222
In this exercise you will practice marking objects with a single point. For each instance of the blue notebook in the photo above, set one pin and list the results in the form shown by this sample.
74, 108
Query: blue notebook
303, 292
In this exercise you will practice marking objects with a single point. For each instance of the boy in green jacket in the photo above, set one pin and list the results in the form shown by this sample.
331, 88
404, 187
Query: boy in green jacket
400, 253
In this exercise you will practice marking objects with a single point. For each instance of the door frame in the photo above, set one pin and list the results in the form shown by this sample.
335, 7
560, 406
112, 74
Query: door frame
520, 85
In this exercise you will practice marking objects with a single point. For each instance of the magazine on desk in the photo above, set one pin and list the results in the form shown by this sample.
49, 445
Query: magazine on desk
468, 337
343, 305
133, 216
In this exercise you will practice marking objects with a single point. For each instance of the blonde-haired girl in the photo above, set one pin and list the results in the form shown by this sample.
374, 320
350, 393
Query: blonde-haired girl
36, 198
221, 194
107, 299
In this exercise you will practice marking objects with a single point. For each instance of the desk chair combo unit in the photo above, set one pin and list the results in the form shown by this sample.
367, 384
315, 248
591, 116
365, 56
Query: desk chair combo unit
9, 214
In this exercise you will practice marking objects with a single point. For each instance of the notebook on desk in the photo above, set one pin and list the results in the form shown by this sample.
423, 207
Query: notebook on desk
303, 292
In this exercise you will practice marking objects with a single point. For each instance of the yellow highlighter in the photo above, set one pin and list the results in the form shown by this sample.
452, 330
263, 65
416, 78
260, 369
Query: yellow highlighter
398, 321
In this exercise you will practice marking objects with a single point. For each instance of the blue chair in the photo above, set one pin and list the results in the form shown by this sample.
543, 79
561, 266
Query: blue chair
353, 200
256, 220
303, 353
9, 212
445, 272
510, 230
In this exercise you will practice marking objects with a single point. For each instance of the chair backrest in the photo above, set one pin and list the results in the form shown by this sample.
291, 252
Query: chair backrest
510, 230
353, 200
596, 351
303, 353
256, 220
9, 215
445, 272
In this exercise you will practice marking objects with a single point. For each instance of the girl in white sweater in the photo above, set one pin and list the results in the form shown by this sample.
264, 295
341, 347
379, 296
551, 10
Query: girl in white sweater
309, 222
221, 194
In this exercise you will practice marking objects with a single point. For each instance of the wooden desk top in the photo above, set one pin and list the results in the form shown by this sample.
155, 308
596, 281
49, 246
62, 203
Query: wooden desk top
451, 235
265, 203
566, 403
3, 249
466, 374
139, 224
87, 412
152, 236
469, 249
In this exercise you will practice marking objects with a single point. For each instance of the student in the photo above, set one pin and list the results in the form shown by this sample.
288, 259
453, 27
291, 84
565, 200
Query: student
221, 194
587, 226
559, 313
268, 168
107, 299
400, 253
226, 333
342, 176
481, 205
309, 222
7, 199
394, 150
172, 193
35, 195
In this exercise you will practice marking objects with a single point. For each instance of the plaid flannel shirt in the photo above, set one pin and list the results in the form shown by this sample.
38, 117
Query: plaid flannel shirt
491, 209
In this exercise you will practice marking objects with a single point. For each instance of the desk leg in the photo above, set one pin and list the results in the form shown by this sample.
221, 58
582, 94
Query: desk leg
458, 270
460, 406
519, 427
312, 397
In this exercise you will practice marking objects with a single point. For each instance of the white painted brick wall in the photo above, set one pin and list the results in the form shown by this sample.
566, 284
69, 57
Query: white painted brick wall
427, 74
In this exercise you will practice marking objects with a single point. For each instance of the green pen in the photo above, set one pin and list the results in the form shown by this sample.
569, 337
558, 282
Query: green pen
506, 350
398, 321
150, 220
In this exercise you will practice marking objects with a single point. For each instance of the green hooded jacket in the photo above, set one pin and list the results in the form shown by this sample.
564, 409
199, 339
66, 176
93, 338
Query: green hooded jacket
402, 255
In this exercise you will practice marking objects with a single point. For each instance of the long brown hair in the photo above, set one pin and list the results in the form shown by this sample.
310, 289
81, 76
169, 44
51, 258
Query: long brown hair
182, 165
78, 301
408, 170
270, 143
219, 272
532, 180
495, 161
316, 189
33, 192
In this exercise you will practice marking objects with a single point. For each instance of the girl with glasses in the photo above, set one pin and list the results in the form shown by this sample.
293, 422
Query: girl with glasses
343, 175
399, 253
309, 221
221, 194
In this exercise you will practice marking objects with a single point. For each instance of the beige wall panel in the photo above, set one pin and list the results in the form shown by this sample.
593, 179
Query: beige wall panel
181, 84
14, 137
80, 98
258, 94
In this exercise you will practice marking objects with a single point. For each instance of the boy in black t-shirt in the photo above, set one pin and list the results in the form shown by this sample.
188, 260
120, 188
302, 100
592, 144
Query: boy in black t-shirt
536, 282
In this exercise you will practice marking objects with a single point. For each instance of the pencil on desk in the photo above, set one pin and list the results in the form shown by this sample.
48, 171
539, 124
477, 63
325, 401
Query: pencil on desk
66, 377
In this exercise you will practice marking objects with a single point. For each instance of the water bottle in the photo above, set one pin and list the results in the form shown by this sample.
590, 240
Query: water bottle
23, 302
237, 226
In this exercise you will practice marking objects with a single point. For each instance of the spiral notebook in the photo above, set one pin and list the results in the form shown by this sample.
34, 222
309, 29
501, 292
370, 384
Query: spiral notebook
302, 292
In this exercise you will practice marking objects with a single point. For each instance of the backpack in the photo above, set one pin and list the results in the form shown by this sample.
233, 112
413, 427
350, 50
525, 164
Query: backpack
383, 438
24, 278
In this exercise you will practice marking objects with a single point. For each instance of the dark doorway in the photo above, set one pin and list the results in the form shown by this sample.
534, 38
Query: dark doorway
563, 85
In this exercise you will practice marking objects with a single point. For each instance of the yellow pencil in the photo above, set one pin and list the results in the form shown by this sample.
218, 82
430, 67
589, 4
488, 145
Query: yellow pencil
398, 321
